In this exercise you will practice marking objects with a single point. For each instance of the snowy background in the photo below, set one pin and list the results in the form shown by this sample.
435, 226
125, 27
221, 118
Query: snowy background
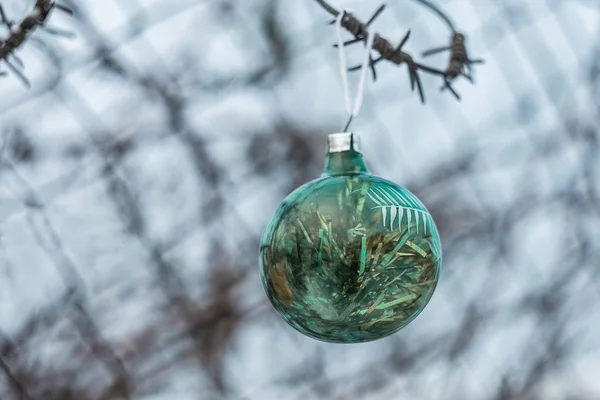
137, 174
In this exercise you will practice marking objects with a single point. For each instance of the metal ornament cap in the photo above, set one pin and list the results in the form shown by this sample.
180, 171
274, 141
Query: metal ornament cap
340, 142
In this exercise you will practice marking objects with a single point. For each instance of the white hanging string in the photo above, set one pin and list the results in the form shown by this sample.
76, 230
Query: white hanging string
353, 110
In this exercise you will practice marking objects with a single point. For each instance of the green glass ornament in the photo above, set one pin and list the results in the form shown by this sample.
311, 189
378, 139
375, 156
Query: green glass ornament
350, 257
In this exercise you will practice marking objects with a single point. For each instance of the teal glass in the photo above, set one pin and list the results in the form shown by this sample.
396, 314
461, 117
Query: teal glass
350, 257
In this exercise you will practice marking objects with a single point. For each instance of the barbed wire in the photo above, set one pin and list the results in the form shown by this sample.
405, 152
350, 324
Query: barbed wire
459, 64
19, 32
383, 46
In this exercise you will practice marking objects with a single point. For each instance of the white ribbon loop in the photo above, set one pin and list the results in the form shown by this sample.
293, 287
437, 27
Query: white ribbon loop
353, 110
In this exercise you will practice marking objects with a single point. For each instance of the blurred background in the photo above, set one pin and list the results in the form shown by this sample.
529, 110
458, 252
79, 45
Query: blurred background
138, 173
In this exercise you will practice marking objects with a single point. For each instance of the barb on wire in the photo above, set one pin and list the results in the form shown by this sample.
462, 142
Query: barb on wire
359, 39
19, 32
386, 50
459, 64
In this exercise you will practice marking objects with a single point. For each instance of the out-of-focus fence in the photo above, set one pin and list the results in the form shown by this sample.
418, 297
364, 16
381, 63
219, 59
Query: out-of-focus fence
139, 170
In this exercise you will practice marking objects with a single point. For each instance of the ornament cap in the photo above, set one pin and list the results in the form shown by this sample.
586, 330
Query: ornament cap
344, 156
339, 142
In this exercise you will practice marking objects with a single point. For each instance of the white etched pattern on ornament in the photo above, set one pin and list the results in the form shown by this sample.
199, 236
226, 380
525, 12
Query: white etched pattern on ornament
398, 204
394, 203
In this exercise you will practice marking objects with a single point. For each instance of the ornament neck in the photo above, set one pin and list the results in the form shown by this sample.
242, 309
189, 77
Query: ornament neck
344, 156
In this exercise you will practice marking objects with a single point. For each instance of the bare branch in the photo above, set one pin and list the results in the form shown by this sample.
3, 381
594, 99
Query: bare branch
18, 387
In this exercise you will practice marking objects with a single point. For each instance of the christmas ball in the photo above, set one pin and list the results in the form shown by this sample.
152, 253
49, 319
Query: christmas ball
350, 257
